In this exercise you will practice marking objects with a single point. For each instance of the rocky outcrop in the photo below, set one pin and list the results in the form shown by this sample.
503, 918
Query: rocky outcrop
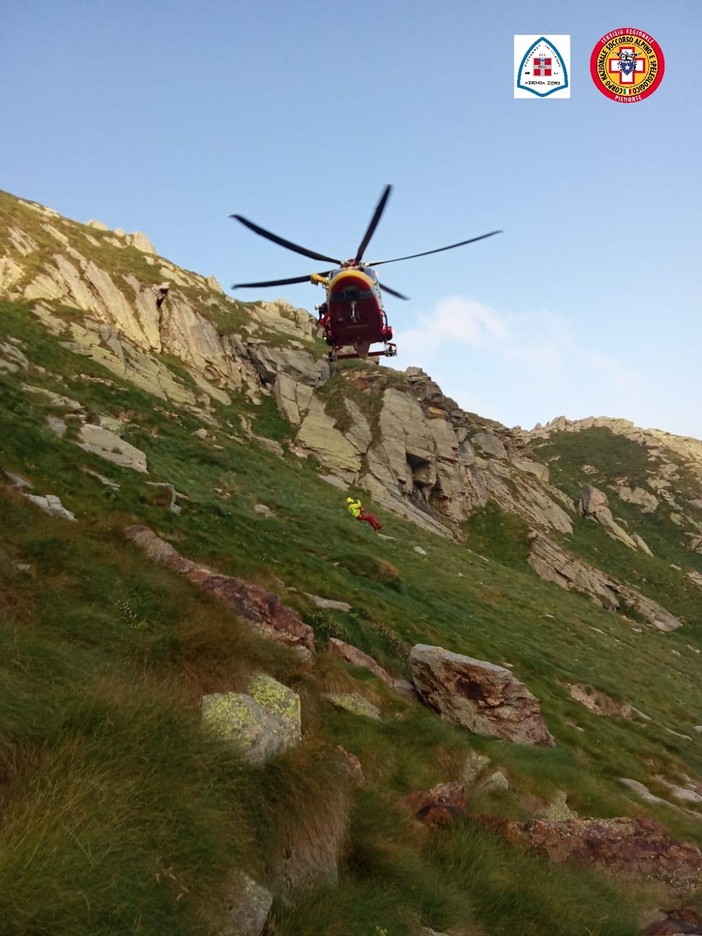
111, 447
413, 450
673, 475
595, 505
553, 564
51, 504
124, 327
419, 454
638, 496
598, 702
260, 608
653, 439
639, 847
483, 698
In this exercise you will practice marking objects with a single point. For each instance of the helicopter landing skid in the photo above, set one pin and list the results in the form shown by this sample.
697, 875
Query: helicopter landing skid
390, 350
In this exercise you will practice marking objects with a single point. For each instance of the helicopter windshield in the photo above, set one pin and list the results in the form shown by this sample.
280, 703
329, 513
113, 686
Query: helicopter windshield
369, 271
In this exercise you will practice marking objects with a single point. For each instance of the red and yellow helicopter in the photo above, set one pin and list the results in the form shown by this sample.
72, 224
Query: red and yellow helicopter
352, 317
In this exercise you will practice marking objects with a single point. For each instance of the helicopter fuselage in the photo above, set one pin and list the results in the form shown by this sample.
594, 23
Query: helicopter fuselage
355, 318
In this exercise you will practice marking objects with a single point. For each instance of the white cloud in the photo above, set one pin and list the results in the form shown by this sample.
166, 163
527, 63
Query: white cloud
525, 367
456, 319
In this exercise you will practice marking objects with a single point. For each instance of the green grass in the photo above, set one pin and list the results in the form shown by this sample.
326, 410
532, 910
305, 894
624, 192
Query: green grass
496, 534
117, 814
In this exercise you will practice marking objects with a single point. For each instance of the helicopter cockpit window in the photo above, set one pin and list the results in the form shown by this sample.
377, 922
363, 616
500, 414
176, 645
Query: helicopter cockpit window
369, 271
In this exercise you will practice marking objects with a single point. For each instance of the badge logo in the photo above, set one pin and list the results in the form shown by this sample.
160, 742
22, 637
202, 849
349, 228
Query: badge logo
627, 65
541, 66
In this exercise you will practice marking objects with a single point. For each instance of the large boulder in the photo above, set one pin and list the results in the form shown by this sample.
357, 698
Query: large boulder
477, 695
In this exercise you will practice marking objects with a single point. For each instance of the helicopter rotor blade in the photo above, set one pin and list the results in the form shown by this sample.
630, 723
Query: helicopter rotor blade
426, 253
282, 242
279, 282
377, 214
392, 292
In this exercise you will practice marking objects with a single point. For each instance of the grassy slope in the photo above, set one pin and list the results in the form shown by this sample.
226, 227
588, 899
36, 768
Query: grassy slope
117, 815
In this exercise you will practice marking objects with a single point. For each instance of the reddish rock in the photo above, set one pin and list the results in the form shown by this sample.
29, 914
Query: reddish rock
597, 701
261, 608
477, 695
687, 920
636, 846
358, 658
351, 765
440, 806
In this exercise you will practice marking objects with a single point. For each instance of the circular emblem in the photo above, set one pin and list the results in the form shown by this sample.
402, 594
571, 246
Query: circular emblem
627, 65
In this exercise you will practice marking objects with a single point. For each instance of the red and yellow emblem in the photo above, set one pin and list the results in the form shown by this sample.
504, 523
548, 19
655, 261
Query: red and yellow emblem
627, 65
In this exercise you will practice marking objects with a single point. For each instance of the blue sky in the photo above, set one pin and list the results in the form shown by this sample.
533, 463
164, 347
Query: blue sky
166, 117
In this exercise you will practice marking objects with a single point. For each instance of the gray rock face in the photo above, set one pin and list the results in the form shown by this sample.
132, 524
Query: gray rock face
669, 457
482, 697
419, 455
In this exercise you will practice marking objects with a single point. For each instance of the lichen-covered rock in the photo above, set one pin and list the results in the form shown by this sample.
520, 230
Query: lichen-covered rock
355, 703
479, 696
280, 702
258, 725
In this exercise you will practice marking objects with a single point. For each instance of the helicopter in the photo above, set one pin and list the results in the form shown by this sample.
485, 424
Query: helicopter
352, 317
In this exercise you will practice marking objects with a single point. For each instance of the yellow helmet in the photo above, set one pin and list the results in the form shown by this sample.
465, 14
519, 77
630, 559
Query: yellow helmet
349, 500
